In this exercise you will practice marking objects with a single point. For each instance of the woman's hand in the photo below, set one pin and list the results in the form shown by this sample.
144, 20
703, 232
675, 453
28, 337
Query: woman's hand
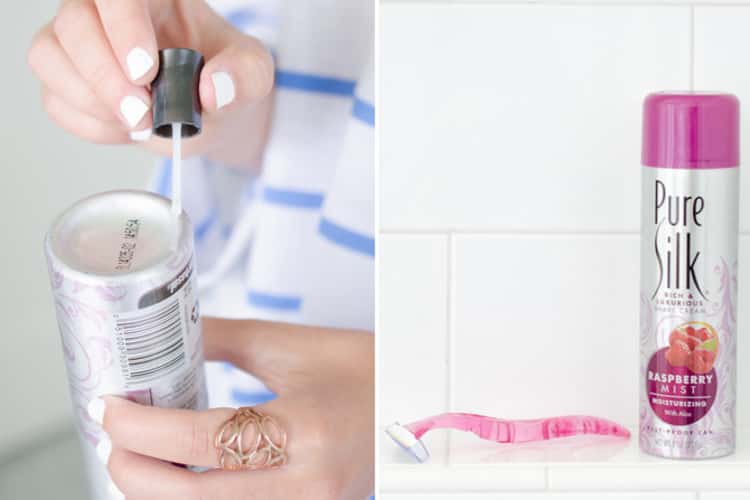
97, 57
324, 381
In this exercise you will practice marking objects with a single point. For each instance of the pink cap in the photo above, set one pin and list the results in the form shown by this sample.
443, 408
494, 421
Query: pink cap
691, 130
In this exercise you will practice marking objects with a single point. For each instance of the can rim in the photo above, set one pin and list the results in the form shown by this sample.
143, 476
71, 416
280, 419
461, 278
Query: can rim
154, 270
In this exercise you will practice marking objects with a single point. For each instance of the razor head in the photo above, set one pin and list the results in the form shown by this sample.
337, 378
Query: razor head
408, 442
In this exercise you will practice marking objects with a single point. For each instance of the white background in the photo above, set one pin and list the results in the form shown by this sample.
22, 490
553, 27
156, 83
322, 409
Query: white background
44, 170
509, 212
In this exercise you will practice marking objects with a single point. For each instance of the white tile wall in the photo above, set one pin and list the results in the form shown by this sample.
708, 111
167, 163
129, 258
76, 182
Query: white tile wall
509, 146
721, 37
725, 495
545, 325
520, 117
413, 303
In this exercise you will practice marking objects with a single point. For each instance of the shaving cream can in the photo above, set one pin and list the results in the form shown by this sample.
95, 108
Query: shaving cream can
688, 321
124, 286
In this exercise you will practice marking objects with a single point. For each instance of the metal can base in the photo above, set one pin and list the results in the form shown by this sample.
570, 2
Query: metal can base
675, 454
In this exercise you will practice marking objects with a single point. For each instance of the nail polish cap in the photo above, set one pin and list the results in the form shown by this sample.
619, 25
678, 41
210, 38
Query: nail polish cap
692, 130
174, 92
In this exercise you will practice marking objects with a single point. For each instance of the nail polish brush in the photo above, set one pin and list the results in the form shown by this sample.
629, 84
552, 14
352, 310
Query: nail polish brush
176, 107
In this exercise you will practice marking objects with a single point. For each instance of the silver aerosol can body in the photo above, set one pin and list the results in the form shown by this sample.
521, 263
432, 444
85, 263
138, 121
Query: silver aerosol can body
689, 226
124, 285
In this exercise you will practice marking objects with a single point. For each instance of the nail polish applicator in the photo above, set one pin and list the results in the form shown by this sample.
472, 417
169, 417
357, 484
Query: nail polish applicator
176, 107
408, 437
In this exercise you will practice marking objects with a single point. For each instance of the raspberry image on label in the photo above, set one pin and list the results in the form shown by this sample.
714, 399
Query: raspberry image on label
694, 344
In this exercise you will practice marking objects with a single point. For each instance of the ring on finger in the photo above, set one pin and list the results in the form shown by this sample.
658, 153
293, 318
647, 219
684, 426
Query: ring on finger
250, 440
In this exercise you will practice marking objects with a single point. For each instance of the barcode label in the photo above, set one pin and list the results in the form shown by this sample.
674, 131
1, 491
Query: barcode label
151, 345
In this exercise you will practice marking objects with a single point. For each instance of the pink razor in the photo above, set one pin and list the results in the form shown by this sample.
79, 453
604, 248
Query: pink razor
408, 437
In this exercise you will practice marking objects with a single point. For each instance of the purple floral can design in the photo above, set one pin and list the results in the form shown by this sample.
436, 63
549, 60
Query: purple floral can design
689, 227
123, 280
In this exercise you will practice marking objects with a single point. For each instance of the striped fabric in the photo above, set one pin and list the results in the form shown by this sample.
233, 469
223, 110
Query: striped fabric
305, 227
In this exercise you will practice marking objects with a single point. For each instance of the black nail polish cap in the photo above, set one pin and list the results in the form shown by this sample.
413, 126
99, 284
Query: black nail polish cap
174, 92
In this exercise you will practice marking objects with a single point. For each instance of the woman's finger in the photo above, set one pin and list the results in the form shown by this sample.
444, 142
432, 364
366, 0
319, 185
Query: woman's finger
238, 71
273, 484
183, 436
145, 478
81, 35
142, 478
130, 32
242, 73
51, 65
81, 124
283, 355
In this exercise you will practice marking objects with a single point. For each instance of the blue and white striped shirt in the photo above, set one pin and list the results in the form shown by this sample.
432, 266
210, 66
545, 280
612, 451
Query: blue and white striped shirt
296, 243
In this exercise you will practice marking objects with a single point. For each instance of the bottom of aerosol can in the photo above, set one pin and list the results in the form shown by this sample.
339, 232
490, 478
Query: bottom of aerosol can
117, 233
677, 454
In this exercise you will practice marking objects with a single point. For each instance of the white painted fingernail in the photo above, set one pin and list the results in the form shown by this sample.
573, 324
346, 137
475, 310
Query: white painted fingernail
139, 62
224, 88
114, 491
104, 449
133, 109
96, 410
140, 135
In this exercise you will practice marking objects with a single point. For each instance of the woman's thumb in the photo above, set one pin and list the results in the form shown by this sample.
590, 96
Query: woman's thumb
240, 73
279, 354
267, 350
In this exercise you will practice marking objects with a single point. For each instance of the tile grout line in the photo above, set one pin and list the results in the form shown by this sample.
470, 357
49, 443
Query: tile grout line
502, 232
519, 234
449, 340
415, 231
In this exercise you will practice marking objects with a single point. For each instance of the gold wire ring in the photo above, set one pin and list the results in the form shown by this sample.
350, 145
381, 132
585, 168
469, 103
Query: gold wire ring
267, 439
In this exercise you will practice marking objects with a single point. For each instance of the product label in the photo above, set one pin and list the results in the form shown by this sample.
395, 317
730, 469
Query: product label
141, 341
677, 218
676, 392
688, 322
157, 342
